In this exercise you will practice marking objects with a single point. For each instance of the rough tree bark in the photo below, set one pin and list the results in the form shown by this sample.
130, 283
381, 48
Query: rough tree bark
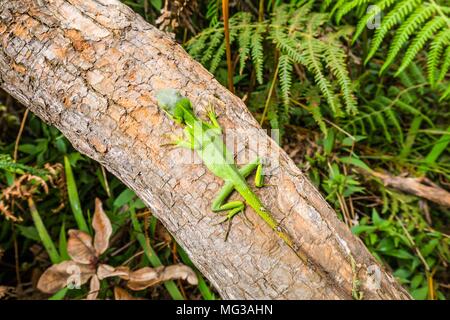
91, 68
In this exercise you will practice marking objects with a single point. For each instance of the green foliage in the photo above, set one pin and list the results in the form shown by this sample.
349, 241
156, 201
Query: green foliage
395, 238
381, 111
7, 164
302, 37
414, 24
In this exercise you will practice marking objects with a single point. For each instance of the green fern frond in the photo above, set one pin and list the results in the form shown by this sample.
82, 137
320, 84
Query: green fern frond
258, 52
325, 5
312, 56
315, 53
335, 59
445, 95
221, 52
445, 65
244, 38
288, 45
417, 73
380, 119
216, 40
303, 38
395, 16
437, 47
196, 45
317, 116
300, 16
428, 31
382, 102
285, 78
212, 12
345, 8
415, 20
218, 57
362, 24
337, 5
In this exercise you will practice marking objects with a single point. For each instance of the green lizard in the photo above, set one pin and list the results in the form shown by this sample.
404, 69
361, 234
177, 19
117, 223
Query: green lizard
206, 139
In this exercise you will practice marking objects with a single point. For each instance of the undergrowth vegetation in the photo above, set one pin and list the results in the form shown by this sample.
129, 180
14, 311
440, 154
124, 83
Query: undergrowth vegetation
359, 91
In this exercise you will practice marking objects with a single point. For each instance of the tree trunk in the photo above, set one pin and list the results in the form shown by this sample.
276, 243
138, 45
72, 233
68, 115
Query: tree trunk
92, 67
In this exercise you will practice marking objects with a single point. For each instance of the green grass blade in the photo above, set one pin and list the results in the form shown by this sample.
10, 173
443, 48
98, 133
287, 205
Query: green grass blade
59, 295
43, 233
73, 197
411, 137
440, 146
63, 243
152, 256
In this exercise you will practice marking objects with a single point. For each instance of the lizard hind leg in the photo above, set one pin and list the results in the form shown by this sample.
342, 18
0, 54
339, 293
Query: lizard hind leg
233, 207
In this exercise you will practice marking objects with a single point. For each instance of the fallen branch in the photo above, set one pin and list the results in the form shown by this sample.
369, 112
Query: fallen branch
420, 187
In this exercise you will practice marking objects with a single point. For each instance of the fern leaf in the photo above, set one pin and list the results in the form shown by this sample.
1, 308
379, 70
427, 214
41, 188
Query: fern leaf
244, 40
335, 58
317, 116
325, 4
382, 102
345, 8
428, 31
437, 48
417, 73
196, 45
395, 16
338, 5
257, 52
285, 77
362, 24
212, 13
300, 16
378, 116
218, 57
288, 45
445, 95
445, 65
215, 40
415, 20
312, 58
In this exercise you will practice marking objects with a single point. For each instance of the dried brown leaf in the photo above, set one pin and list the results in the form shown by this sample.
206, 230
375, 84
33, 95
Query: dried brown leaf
94, 288
144, 274
102, 227
138, 286
6, 292
179, 271
79, 247
122, 294
107, 271
57, 276
142, 279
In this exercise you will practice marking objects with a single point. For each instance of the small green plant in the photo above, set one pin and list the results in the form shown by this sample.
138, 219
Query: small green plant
302, 38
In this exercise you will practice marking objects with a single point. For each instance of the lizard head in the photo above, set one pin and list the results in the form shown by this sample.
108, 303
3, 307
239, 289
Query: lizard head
174, 104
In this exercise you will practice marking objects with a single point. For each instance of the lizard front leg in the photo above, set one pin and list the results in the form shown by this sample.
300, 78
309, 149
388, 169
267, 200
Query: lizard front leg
187, 142
213, 118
